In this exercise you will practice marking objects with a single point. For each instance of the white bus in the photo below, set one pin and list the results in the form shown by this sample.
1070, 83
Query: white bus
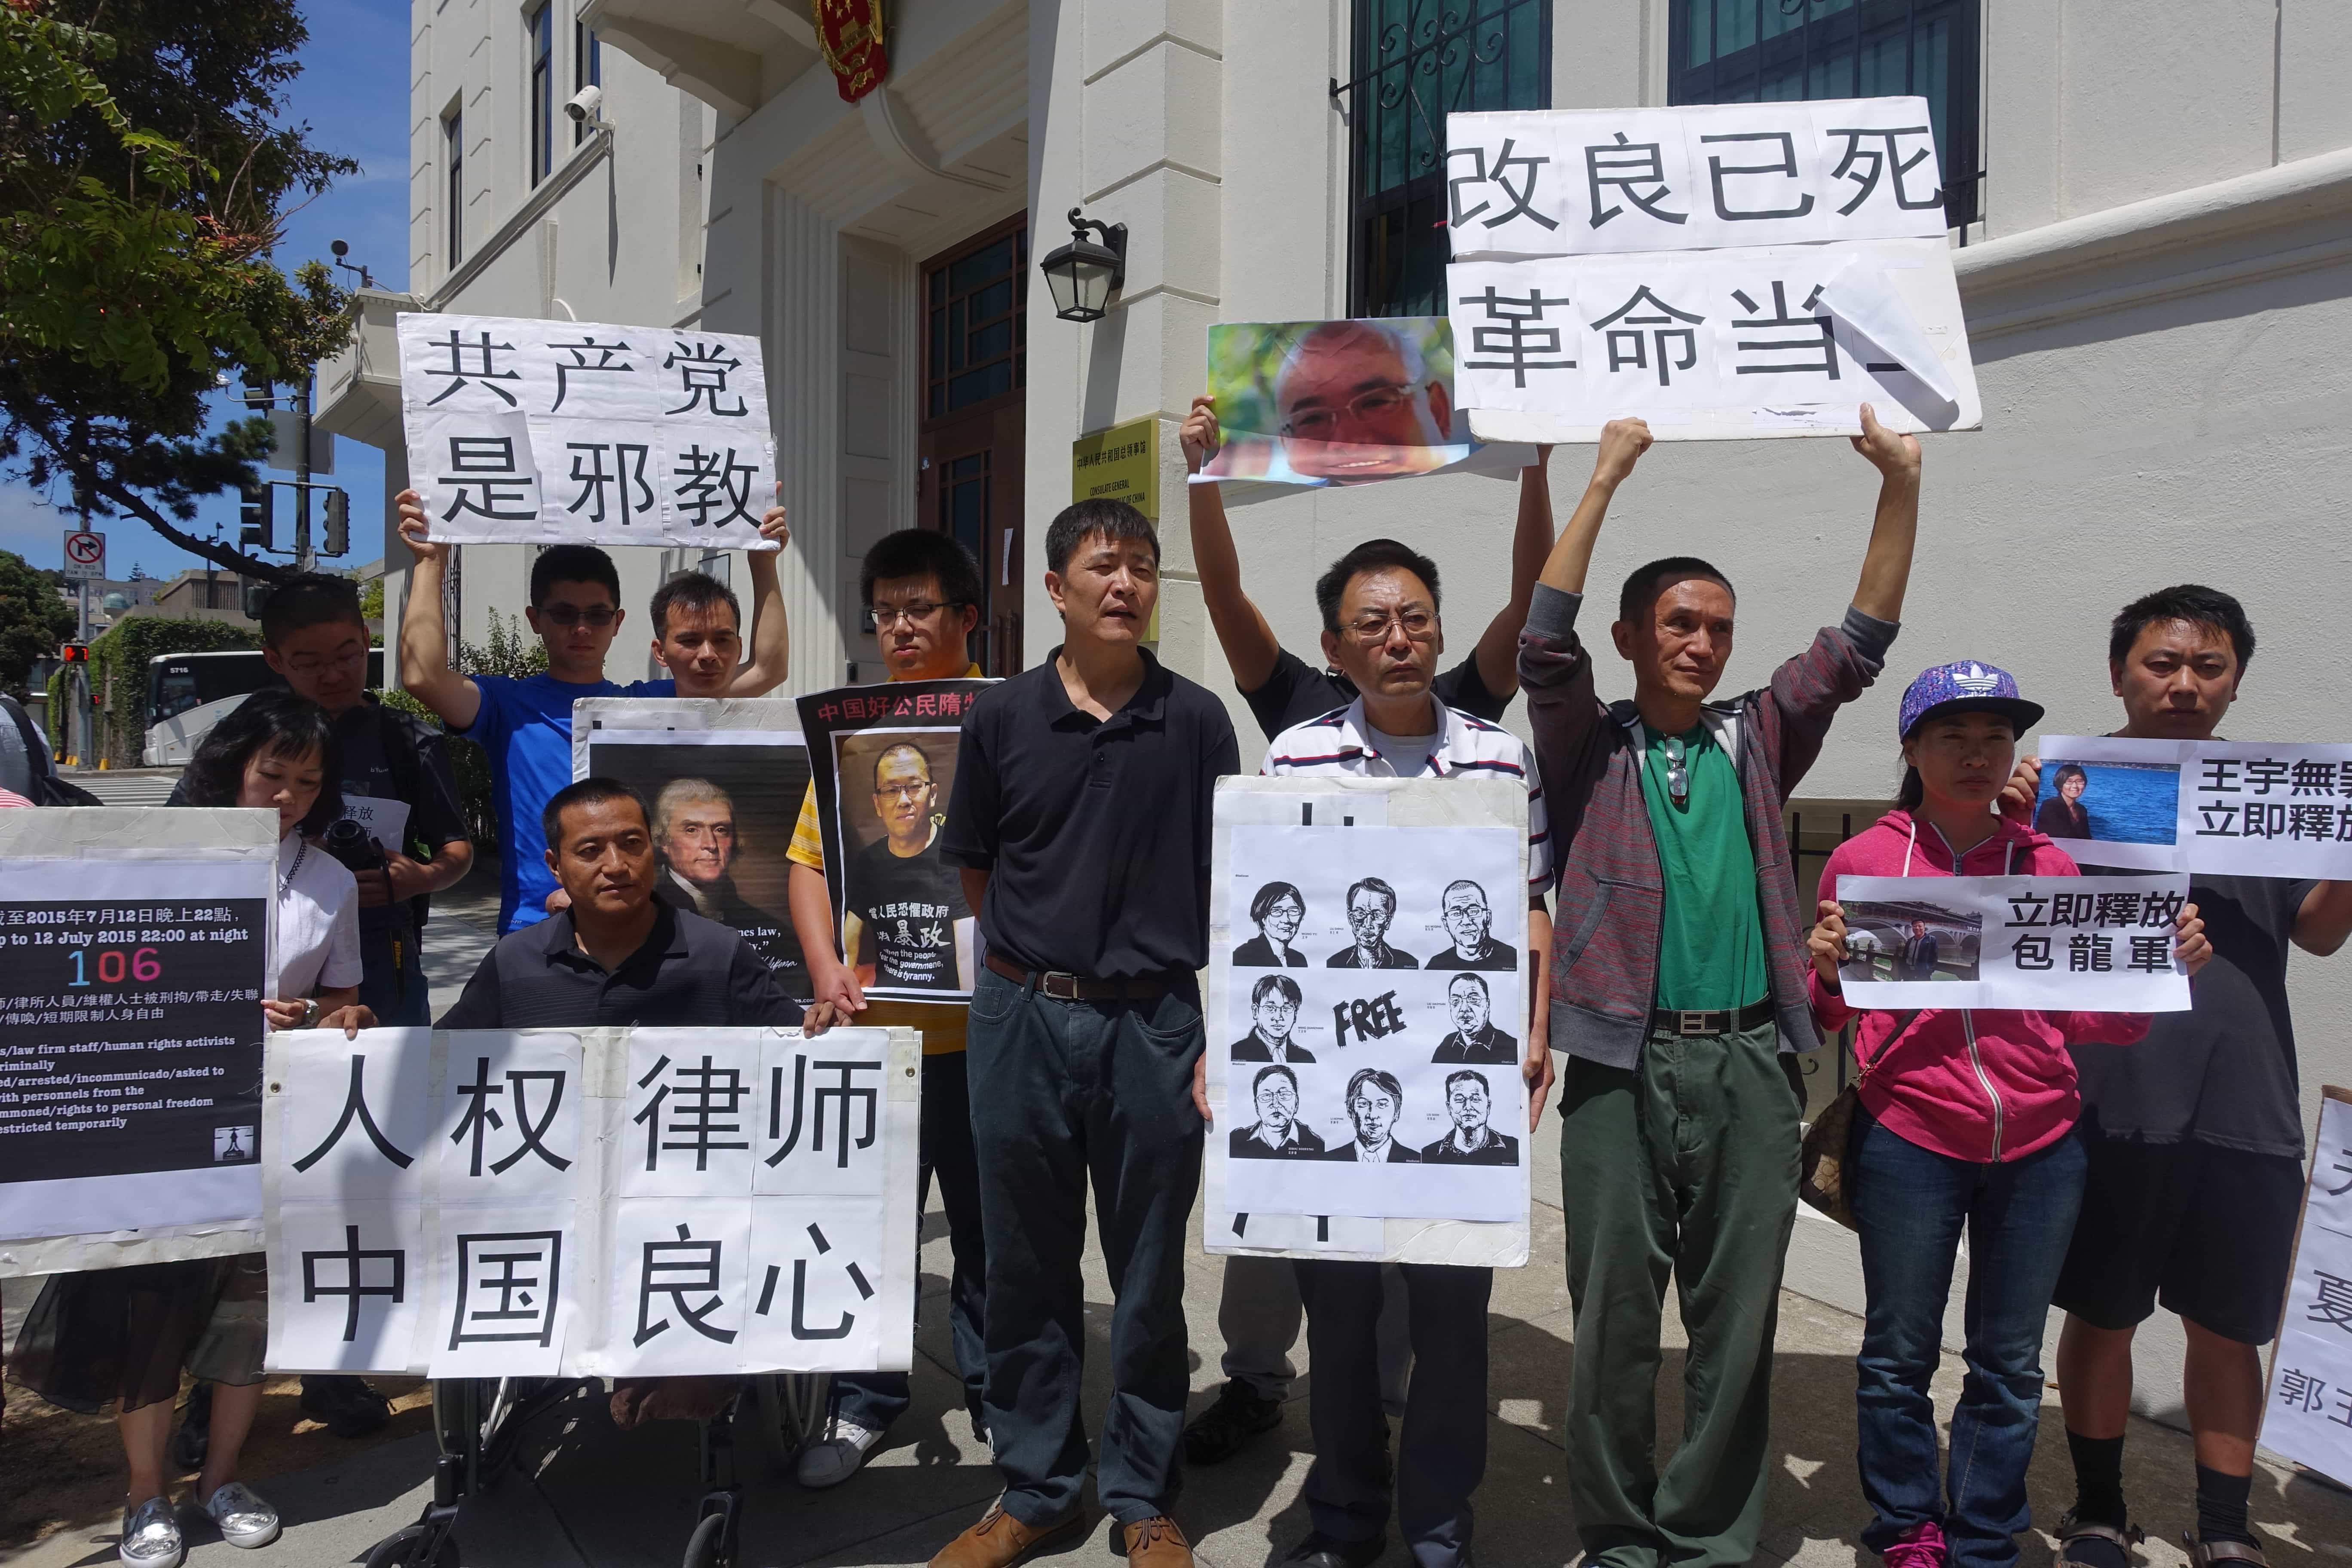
188, 693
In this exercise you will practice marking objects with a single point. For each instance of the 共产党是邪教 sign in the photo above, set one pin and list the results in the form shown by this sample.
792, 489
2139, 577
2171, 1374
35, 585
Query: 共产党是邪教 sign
601, 1202
1721, 270
581, 432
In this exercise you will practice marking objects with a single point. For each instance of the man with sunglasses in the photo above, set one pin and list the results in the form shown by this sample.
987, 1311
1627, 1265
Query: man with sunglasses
1677, 992
924, 590
1380, 605
525, 724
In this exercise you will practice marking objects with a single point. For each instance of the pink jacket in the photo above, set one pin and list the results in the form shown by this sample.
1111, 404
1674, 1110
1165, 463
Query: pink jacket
1969, 1083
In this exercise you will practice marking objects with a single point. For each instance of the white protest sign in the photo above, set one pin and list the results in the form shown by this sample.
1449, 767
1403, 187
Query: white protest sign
2307, 1416
581, 432
1724, 271
2246, 808
133, 957
2097, 944
609, 1203
386, 821
1365, 1092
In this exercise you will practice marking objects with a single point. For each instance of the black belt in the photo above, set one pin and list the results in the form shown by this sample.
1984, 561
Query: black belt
1715, 1021
1065, 987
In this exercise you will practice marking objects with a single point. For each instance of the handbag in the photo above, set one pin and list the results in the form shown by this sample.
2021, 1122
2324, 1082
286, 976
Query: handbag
1825, 1174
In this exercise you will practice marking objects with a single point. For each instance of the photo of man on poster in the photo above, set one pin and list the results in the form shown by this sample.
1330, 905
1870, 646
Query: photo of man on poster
905, 923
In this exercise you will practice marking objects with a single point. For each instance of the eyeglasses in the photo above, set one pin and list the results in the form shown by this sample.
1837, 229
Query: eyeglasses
888, 616
571, 616
902, 791
351, 658
1319, 424
1677, 775
1419, 626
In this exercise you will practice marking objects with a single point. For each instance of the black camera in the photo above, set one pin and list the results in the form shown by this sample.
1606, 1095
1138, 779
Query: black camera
353, 845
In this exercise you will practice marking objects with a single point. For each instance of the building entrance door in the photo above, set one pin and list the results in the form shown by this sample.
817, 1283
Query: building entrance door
975, 376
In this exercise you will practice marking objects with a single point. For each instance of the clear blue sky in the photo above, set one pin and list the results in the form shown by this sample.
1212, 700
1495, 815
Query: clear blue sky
354, 91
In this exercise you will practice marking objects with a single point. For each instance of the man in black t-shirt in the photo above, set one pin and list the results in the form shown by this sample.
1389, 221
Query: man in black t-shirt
2195, 1134
1260, 1313
907, 923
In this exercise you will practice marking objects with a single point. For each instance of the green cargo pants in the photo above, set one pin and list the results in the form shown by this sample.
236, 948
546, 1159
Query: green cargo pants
1687, 1163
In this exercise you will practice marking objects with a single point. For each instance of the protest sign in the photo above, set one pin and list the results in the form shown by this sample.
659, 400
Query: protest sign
884, 759
585, 433
722, 780
1334, 403
2098, 944
1355, 1115
2245, 808
601, 1202
135, 954
1722, 270
2307, 1416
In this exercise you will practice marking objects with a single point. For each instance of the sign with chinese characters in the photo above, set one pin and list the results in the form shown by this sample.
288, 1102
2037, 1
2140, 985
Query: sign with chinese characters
583, 433
607, 1202
2099, 944
1121, 463
2308, 1416
1719, 269
725, 779
884, 759
1367, 968
133, 959
2245, 808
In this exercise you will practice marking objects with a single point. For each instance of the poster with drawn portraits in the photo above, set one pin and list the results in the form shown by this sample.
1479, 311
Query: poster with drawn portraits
1375, 1016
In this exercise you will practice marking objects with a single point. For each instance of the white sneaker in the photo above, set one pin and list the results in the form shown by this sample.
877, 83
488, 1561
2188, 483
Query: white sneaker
150, 1536
244, 1519
835, 1460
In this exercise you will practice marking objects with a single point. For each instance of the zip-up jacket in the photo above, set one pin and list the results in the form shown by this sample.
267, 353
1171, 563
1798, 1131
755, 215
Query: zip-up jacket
1971, 1083
1604, 946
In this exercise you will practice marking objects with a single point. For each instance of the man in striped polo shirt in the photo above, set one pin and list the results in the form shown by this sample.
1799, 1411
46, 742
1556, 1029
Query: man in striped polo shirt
1380, 626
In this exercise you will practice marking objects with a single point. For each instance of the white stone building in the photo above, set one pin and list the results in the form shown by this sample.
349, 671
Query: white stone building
2154, 206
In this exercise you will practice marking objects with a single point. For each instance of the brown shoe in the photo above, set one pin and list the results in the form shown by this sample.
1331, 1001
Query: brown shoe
999, 1539
1156, 1542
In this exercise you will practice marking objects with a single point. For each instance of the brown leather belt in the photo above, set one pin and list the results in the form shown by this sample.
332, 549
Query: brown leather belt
1077, 988
1715, 1021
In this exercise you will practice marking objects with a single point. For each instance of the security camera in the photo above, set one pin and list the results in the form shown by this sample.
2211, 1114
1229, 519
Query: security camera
582, 106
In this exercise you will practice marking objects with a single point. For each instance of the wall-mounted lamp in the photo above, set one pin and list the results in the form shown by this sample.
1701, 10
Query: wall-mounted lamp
1082, 274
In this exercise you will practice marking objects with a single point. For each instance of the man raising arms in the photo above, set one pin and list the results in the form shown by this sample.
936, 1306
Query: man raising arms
1677, 991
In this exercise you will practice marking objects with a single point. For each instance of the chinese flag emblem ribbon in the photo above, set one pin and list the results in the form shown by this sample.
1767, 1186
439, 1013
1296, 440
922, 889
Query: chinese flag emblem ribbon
850, 33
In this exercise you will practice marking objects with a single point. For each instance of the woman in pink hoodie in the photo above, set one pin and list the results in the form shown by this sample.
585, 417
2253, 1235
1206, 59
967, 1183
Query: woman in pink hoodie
1968, 1123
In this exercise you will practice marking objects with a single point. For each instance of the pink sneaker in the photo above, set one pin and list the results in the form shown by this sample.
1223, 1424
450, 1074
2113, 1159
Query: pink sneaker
1922, 1546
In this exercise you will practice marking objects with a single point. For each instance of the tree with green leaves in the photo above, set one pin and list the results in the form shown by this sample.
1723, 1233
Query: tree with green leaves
33, 620
145, 175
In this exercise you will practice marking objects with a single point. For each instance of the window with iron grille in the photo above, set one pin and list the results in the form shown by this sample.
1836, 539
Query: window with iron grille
1415, 62
1744, 51
541, 27
977, 305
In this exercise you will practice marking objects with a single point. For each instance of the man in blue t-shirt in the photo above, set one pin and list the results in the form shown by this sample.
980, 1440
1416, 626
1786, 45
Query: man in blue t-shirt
525, 724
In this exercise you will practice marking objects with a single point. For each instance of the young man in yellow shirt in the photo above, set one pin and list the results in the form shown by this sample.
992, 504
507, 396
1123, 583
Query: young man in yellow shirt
924, 590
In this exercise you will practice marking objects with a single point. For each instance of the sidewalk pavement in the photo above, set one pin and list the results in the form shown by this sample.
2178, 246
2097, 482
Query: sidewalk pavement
585, 1494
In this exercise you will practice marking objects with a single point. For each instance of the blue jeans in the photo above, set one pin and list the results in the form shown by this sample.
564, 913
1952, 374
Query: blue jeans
1910, 1205
397, 993
1065, 1095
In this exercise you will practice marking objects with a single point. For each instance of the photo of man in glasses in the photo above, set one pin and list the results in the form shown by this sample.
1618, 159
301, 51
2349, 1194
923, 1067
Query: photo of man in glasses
906, 923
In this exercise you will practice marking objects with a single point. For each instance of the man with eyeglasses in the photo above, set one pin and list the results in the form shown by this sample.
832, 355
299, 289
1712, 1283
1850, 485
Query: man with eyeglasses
1355, 401
924, 590
1679, 998
525, 724
1380, 625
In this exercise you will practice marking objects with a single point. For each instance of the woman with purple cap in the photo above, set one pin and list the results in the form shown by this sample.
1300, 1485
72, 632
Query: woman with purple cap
1966, 1123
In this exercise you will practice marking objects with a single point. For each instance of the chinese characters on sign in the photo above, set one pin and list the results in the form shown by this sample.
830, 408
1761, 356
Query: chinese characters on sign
556, 432
1731, 269
2086, 943
2245, 808
2308, 1417
756, 1207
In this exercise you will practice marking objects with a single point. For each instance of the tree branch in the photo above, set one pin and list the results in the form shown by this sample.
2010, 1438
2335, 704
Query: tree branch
212, 550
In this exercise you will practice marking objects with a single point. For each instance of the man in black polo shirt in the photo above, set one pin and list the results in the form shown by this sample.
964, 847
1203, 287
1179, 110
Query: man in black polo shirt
618, 955
1080, 820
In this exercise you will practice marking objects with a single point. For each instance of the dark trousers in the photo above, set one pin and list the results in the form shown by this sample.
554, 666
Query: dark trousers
1443, 1452
1910, 1205
396, 992
876, 1399
1681, 1167
1064, 1094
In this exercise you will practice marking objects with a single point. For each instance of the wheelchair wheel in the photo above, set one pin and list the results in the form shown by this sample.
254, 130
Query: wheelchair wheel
407, 1548
707, 1547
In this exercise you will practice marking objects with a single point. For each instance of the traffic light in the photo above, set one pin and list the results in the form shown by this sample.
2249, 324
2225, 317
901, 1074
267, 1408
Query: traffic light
74, 653
339, 523
253, 516
259, 393
254, 595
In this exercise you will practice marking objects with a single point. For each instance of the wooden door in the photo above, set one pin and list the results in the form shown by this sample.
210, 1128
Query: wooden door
975, 376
